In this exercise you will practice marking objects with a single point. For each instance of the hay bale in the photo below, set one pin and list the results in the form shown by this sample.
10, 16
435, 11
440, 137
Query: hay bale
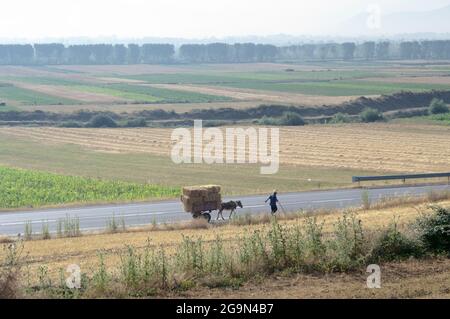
212, 188
201, 190
213, 197
201, 198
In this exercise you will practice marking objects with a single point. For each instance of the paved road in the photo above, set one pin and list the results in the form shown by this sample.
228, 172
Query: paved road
96, 217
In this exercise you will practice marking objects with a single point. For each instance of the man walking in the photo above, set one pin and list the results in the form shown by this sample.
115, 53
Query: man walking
273, 202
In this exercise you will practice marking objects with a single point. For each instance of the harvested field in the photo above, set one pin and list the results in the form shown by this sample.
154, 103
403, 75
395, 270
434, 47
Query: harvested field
259, 95
68, 92
150, 69
375, 147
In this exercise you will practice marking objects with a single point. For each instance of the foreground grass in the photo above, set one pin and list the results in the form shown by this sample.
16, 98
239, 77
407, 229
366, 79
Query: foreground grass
25, 188
174, 261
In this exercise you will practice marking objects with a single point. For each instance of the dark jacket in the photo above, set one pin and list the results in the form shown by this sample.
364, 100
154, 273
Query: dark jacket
273, 200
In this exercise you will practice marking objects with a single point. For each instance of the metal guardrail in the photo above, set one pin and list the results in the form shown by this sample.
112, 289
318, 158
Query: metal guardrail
357, 179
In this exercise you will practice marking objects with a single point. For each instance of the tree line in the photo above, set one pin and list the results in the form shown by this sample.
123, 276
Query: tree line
57, 53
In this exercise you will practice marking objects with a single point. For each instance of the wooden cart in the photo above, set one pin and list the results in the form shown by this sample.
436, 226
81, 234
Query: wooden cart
200, 201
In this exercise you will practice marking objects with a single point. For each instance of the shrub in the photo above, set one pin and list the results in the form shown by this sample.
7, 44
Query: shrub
434, 230
101, 120
365, 199
288, 119
45, 231
136, 122
438, 107
340, 118
28, 231
369, 115
348, 247
291, 119
393, 245
70, 124
10, 271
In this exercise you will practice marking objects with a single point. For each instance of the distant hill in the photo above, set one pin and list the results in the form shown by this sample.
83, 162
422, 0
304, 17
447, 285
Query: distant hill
435, 21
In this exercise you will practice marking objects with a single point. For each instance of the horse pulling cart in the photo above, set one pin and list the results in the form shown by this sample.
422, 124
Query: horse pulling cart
200, 201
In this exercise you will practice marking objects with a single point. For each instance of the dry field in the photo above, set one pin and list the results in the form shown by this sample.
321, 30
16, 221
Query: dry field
409, 279
377, 147
260, 95
57, 254
67, 92
154, 69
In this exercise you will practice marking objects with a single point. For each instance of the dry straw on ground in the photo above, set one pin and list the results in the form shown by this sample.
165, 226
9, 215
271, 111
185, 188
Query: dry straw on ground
370, 147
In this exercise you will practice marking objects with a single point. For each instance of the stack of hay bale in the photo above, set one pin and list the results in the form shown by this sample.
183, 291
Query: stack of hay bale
201, 198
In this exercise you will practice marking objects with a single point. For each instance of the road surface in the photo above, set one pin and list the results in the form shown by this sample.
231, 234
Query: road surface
96, 217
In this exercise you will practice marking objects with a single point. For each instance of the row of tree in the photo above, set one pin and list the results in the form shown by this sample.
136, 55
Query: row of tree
56, 53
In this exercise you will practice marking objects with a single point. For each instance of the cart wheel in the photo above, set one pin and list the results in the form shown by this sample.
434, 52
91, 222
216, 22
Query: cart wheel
207, 216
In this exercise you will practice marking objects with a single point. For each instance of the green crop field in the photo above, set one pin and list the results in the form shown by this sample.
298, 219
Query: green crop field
338, 88
168, 96
257, 77
18, 96
24, 188
49, 80
150, 94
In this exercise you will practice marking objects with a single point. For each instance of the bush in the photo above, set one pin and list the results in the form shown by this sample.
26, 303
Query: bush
340, 118
10, 270
70, 124
434, 230
291, 119
137, 122
438, 107
369, 115
101, 120
288, 119
393, 245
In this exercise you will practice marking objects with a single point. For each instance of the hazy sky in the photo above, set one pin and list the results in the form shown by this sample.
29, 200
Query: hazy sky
184, 18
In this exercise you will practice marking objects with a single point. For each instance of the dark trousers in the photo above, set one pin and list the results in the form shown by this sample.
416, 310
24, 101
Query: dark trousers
274, 208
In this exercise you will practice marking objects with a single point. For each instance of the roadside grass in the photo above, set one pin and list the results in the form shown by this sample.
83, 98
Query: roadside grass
325, 244
69, 226
25, 188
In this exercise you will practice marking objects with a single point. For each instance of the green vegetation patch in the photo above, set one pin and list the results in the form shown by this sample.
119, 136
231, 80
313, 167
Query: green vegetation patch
245, 77
116, 92
44, 80
169, 96
22, 188
339, 88
18, 96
